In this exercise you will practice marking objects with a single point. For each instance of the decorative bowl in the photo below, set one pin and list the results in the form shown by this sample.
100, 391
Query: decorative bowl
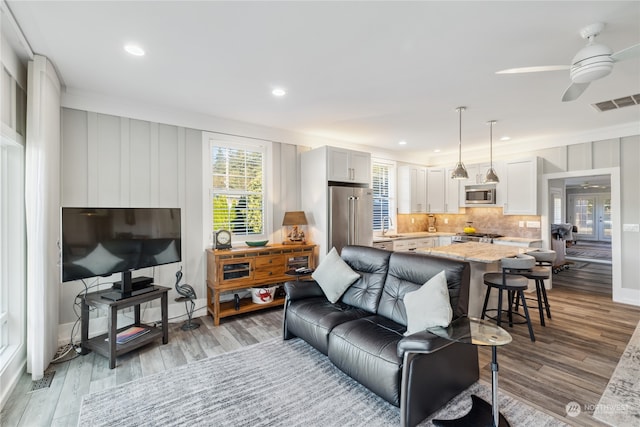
257, 243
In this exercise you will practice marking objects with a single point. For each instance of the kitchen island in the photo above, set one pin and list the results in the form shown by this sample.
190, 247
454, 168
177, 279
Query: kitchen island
483, 257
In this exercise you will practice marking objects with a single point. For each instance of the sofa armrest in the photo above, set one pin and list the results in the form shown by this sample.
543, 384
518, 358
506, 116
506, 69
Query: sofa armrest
301, 289
421, 342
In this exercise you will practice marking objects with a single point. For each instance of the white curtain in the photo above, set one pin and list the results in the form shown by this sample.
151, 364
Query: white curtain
42, 202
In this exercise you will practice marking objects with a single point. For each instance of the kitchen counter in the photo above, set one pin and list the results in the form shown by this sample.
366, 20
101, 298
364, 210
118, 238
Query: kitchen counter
403, 236
483, 258
473, 251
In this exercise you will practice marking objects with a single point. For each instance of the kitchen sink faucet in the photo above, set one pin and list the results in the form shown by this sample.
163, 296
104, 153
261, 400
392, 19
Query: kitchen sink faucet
384, 230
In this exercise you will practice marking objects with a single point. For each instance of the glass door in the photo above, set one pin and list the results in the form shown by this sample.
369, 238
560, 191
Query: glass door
604, 217
591, 214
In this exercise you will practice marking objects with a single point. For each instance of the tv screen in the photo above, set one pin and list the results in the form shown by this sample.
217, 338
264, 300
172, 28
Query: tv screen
104, 241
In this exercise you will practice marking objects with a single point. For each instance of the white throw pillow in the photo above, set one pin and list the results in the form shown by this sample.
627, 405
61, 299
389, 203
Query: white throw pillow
428, 306
334, 276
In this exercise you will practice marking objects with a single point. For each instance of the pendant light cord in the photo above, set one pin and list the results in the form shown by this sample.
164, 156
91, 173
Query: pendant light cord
460, 110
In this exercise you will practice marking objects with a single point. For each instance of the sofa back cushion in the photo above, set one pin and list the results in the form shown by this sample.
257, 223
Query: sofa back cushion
372, 265
409, 271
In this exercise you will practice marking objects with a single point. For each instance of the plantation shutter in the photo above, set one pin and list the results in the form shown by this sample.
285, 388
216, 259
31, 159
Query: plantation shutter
381, 197
237, 187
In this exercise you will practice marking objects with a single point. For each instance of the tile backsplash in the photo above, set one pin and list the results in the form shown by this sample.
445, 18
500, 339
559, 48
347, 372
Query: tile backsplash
485, 220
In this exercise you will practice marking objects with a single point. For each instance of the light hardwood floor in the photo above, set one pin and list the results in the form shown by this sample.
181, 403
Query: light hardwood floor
572, 360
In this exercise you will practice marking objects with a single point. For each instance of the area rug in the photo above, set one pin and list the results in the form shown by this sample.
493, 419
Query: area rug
267, 384
620, 402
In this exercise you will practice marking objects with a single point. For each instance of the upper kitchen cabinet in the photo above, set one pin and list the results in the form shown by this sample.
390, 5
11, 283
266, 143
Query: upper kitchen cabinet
520, 186
348, 166
412, 189
476, 173
452, 193
436, 190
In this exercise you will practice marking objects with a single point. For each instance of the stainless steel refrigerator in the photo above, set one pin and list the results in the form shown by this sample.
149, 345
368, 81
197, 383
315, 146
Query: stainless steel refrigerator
350, 216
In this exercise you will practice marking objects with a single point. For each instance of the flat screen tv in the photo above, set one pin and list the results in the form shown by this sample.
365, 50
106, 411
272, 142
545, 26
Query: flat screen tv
105, 241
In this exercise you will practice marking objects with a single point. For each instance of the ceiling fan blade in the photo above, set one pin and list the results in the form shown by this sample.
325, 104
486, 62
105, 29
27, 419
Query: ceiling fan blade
574, 91
628, 53
534, 69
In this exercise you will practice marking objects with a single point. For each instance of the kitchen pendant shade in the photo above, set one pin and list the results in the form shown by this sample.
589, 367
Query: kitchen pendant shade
460, 172
491, 176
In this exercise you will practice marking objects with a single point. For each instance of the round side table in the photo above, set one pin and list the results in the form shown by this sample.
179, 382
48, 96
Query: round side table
469, 330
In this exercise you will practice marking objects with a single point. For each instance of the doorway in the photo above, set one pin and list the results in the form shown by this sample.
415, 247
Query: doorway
590, 200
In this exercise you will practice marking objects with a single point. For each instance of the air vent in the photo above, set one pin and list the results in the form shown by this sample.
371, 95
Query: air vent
615, 104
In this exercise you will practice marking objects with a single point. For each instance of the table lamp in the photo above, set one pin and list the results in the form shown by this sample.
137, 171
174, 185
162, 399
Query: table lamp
294, 227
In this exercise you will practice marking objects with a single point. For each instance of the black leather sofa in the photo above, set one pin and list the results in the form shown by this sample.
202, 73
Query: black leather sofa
362, 333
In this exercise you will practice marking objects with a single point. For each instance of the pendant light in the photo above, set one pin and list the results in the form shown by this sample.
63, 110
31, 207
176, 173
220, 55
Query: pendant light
460, 172
491, 177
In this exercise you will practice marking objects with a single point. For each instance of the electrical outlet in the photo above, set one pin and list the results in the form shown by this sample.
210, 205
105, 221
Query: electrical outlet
631, 227
413, 220
533, 224
521, 224
446, 220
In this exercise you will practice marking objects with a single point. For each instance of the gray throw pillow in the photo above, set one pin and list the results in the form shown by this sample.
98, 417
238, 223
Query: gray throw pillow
334, 276
428, 306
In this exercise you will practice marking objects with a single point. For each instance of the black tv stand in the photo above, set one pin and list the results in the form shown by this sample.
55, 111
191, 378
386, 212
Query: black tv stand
106, 344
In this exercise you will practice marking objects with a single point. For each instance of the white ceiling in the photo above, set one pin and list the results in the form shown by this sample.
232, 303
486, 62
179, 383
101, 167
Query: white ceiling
370, 73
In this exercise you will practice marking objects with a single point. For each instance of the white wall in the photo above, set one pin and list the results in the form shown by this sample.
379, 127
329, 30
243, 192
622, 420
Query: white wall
109, 160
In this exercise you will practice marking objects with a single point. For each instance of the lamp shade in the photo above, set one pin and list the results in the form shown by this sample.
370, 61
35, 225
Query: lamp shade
294, 218
459, 172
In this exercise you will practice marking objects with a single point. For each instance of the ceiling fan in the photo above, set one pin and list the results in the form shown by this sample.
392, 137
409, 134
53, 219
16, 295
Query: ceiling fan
592, 62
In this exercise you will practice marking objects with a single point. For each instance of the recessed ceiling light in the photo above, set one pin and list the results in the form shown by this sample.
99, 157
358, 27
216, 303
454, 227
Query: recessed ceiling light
134, 50
437, 150
505, 138
279, 92
402, 142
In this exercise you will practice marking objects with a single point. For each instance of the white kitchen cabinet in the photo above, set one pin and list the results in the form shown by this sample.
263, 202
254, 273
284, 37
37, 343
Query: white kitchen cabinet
348, 165
436, 190
452, 193
410, 245
412, 189
444, 240
476, 172
520, 186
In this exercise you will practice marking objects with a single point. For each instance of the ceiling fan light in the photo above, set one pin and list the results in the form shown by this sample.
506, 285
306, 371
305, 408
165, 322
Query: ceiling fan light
491, 177
460, 172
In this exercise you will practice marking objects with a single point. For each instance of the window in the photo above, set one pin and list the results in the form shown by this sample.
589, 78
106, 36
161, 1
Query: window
238, 188
12, 247
383, 200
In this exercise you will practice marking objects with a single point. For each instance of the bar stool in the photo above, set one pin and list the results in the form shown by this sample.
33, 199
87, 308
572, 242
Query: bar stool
544, 258
514, 283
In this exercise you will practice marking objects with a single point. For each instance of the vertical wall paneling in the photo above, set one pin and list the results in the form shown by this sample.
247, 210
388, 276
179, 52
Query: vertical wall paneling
92, 159
153, 165
168, 169
109, 163
193, 257
579, 157
125, 162
75, 166
630, 195
606, 154
140, 166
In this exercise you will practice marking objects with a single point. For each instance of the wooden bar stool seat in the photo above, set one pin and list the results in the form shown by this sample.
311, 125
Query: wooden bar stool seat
515, 283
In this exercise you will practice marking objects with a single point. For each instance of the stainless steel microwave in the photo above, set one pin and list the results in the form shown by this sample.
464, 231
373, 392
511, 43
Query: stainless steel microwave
479, 194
